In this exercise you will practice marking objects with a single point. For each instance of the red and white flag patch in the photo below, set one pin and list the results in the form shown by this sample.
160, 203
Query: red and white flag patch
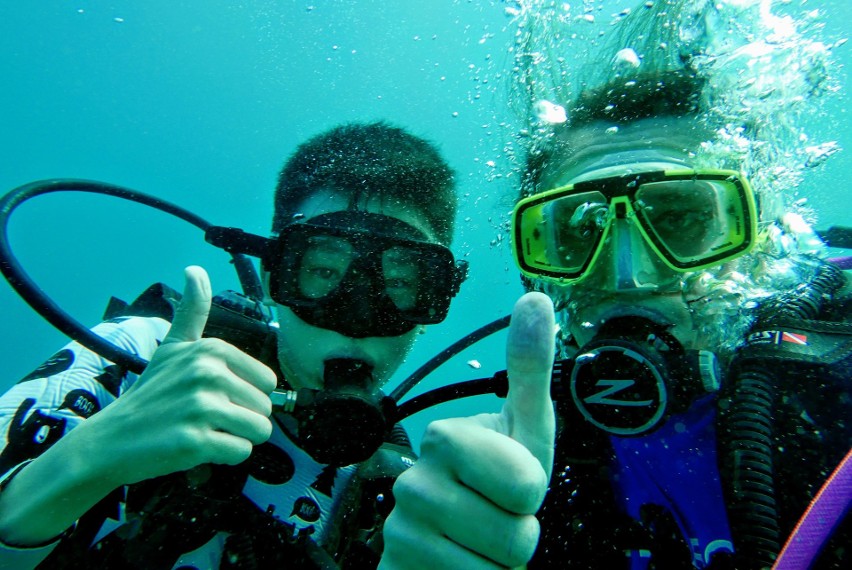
795, 338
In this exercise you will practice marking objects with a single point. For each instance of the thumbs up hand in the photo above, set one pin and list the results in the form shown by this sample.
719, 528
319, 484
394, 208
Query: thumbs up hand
470, 500
200, 400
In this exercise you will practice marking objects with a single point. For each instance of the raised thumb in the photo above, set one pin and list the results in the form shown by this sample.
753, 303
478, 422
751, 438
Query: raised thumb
529, 359
191, 314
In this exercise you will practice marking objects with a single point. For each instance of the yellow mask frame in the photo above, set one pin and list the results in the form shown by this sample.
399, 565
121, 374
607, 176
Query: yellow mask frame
691, 220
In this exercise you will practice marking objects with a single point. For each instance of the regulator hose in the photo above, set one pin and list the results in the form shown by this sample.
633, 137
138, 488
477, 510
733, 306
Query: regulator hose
805, 300
26, 287
747, 429
753, 513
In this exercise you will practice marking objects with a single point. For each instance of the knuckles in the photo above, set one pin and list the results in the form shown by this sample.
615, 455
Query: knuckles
523, 481
400, 539
421, 496
201, 405
406, 489
522, 541
418, 512
190, 445
209, 361
528, 487
440, 438
264, 432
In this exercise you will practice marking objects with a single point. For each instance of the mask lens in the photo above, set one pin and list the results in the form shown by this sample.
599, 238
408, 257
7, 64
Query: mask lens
690, 219
575, 223
324, 263
693, 221
402, 276
363, 274
559, 236
328, 262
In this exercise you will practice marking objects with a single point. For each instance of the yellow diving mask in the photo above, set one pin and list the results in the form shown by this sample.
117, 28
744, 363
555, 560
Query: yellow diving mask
690, 220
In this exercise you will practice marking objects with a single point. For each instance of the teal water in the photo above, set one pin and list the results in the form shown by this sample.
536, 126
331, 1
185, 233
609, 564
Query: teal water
200, 102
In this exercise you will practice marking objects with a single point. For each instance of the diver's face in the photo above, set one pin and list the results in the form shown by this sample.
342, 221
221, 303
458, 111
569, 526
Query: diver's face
628, 278
303, 349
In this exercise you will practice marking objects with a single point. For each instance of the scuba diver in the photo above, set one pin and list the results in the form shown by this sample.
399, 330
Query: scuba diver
702, 381
710, 358
280, 451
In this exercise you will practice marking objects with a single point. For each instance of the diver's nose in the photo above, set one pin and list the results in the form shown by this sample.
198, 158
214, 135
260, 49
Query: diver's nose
628, 264
357, 298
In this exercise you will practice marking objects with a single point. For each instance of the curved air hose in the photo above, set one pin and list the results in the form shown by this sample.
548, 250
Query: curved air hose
750, 434
52, 312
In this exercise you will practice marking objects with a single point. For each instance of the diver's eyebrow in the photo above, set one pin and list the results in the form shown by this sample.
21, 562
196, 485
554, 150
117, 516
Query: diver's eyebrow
399, 253
331, 242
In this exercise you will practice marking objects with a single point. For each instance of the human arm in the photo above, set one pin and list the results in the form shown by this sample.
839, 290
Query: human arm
470, 500
198, 401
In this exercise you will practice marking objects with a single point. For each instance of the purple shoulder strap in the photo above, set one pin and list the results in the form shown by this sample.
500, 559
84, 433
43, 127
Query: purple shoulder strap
823, 515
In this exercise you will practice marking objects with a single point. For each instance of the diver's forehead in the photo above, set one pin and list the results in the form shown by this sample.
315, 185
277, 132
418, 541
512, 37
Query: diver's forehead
326, 201
604, 148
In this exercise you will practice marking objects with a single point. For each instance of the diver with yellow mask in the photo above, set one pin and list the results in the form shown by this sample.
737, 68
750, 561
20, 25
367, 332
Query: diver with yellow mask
633, 235
707, 403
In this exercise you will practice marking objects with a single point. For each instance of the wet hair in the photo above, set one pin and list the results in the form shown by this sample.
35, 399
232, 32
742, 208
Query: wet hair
689, 71
619, 101
669, 94
370, 161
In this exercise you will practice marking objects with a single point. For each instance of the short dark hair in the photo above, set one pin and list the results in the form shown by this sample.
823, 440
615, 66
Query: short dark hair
370, 160
666, 94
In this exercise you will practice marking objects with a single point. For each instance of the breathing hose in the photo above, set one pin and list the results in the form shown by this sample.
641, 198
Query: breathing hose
50, 310
753, 511
26, 287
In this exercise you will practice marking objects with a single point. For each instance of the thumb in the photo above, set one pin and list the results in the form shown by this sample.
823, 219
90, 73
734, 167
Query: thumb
529, 360
191, 313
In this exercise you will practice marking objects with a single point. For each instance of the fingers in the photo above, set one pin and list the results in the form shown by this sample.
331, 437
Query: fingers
529, 359
225, 449
247, 396
251, 370
243, 423
499, 468
443, 511
470, 501
188, 326
198, 377
408, 546
213, 357
191, 315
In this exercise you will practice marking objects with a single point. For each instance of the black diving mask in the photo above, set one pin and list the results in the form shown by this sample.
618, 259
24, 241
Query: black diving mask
362, 274
356, 273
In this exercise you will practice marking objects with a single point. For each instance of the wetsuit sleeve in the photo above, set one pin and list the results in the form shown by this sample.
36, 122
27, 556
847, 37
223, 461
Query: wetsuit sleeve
69, 387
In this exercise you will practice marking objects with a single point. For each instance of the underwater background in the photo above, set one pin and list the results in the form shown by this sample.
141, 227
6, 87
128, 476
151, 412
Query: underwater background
200, 102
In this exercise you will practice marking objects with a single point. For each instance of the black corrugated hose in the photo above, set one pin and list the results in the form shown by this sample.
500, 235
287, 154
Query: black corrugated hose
747, 428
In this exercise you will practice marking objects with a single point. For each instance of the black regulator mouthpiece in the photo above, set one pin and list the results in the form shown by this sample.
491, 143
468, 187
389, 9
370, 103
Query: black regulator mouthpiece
634, 374
346, 421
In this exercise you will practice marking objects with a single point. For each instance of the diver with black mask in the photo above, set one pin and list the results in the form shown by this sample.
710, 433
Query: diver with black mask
385, 271
217, 457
